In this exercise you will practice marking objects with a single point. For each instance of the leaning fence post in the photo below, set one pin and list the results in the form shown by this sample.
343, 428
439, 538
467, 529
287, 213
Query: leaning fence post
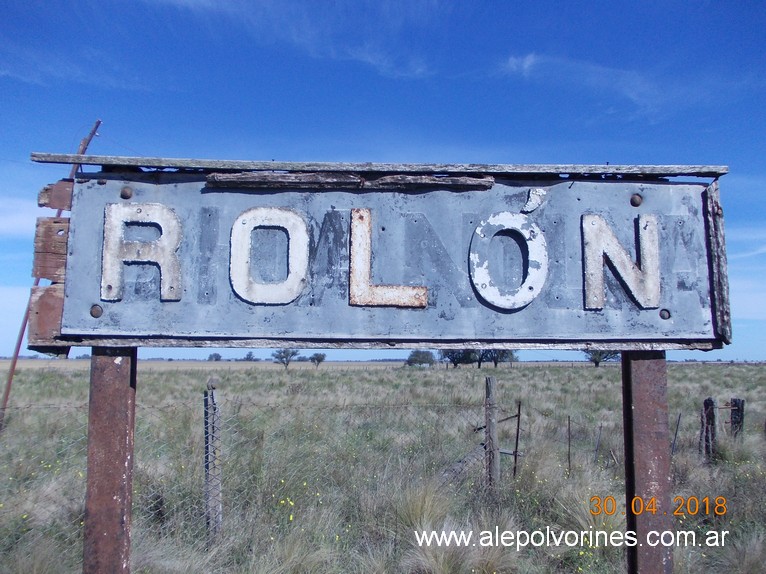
708, 428
569, 446
675, 436
516, 445
598, 442
212, 489
737, 416
491, 445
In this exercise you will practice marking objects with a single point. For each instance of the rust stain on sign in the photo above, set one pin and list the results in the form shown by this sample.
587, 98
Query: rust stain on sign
362, 292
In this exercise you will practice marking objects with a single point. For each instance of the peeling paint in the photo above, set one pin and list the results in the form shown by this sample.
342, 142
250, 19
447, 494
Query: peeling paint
536, 261
514, 265
362, 292
535, 198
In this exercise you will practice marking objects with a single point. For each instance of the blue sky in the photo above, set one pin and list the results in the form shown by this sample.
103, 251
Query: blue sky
660, 82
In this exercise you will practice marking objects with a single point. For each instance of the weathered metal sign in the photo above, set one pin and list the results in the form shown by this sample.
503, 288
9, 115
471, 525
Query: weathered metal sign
343, 259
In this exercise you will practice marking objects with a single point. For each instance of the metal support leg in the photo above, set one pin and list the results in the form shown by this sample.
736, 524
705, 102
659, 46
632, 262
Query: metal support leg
111, 422
647, 457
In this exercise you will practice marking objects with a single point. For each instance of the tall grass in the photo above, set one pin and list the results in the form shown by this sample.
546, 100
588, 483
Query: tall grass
331, 470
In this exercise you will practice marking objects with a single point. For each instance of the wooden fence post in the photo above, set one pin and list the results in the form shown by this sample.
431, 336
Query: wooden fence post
707, 442
491, 444
737, 416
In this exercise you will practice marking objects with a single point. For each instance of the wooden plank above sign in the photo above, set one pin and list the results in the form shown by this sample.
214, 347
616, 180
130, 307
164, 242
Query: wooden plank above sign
444, 168
424, 258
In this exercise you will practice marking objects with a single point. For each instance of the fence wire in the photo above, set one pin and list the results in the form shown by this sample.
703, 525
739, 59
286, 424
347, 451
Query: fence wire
222, 468
296, 477
276, 461
227, 471
277, 465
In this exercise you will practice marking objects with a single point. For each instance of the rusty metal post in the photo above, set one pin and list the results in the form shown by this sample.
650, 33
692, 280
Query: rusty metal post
647, 456
108, 497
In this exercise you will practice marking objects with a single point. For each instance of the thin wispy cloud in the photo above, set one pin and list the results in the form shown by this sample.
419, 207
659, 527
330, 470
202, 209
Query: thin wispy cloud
521, 64
748, 254
371, 32
18, 218
37, 65
745, 242
642, 91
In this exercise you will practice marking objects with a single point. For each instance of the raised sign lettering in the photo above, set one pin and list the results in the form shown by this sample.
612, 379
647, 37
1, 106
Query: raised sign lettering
600, 245
240, 268
523, 264
162, 251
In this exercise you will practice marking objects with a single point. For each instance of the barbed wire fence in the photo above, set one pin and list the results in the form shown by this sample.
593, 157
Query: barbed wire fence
271, 467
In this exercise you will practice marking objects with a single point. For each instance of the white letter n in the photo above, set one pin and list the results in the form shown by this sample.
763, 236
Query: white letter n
601, 244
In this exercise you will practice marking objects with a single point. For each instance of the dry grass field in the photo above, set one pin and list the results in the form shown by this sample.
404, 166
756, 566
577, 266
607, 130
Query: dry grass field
332, 469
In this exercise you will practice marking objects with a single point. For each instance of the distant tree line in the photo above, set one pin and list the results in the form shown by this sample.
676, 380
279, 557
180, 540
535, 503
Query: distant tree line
457, 357
286, 356
282, 356
454, 357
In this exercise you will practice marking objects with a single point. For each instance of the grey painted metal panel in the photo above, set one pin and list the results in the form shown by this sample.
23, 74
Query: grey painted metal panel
418, 239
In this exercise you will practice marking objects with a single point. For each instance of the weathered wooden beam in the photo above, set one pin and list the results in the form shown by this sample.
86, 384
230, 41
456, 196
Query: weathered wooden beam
403, 181
261, 342
282, 180
46, 306
717, 249
342, 180
57, 195
385, 168
51, 248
